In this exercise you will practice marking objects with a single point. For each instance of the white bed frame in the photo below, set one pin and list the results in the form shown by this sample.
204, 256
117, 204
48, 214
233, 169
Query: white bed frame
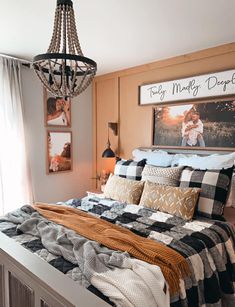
28, 281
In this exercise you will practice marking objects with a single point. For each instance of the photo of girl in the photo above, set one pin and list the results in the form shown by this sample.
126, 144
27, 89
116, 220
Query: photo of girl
57, 112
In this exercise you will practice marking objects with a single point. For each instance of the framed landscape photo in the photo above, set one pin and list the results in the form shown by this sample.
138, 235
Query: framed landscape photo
194, 125
57, 111
59, 151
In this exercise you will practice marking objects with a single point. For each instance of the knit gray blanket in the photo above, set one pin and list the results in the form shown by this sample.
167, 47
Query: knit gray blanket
124, 280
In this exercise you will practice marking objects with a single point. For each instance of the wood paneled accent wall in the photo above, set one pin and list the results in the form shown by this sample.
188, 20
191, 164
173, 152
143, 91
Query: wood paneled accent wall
115, 98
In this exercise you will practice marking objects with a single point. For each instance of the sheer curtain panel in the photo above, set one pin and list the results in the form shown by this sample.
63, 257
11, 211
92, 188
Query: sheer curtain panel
15, 188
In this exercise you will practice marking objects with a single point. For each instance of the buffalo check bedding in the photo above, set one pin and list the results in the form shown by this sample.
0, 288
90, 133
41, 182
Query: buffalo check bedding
208, 246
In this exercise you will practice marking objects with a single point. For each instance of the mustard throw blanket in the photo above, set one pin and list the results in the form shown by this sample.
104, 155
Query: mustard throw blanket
172, 264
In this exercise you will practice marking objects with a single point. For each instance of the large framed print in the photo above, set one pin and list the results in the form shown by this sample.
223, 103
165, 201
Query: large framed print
197, 87
59, 151
208, 125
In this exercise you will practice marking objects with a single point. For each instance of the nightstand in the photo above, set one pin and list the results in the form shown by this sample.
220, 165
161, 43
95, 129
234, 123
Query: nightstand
229, 215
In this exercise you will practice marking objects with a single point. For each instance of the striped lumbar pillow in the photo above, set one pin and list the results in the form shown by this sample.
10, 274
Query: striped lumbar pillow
162, 175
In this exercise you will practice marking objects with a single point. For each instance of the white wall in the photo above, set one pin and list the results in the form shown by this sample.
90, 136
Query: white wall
57, 187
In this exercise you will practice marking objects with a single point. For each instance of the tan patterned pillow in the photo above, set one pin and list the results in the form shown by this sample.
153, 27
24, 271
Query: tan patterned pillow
173, 200
162, 175
124, 190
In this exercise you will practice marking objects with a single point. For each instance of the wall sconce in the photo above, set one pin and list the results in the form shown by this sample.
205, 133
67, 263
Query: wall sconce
108, 152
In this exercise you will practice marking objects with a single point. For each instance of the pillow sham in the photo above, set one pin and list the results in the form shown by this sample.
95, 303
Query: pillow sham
162, 175
173, 200
129, 169
215, 161
156, 157
123, 190
214, 185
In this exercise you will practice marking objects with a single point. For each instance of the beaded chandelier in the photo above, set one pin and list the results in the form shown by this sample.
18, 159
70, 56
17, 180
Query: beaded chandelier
63, 70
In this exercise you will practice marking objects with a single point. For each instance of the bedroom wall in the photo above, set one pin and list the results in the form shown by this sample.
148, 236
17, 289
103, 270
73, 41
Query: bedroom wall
118, 94
57, 187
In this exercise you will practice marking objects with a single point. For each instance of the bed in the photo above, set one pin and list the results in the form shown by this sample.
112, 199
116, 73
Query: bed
114, 277
207, 245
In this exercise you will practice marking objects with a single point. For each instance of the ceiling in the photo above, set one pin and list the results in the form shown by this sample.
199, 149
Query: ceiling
120, 33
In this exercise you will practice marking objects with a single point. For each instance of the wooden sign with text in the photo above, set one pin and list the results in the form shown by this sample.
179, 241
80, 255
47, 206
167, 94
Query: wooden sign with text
196, 87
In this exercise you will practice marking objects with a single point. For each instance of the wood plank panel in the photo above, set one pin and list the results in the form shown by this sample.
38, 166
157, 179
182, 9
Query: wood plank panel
19, 293
106, 108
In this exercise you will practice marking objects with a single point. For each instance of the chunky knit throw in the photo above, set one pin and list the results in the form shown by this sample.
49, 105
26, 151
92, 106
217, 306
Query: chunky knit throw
172, 264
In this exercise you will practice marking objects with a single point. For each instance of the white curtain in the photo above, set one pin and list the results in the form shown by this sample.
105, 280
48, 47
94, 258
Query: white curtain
15, 188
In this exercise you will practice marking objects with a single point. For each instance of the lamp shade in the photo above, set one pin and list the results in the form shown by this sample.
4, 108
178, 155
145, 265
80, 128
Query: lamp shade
108, 153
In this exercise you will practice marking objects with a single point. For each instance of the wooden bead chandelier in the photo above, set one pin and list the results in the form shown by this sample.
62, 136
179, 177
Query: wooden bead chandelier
63, 70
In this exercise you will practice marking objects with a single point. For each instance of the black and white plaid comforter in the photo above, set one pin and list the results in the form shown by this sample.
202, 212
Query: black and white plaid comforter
208, 246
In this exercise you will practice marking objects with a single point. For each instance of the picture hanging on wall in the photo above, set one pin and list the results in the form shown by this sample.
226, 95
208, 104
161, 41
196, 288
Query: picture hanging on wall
59, 151
57, 111
200, 125
218, 84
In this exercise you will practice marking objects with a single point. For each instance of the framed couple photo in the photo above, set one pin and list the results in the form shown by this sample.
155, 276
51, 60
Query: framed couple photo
208, 125
59, 151
57, 111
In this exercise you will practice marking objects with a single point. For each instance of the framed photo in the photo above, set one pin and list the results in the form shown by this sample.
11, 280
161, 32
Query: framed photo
57, 111
200, 125
59, 151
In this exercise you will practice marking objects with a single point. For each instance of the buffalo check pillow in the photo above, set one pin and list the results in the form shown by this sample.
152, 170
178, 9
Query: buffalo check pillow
214, 185
129, 169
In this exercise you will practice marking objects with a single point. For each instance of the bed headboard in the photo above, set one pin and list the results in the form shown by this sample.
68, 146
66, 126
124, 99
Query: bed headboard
185, 151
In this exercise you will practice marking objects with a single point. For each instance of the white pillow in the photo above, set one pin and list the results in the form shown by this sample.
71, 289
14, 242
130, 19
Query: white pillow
156, 157
208, 162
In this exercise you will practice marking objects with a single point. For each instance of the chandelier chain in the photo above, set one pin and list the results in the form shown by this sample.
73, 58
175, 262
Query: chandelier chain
64, 30
58, 36
75, 36
70, 37
55, 32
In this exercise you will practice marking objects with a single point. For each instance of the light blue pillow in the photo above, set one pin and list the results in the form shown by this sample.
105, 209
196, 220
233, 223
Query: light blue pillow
153, 157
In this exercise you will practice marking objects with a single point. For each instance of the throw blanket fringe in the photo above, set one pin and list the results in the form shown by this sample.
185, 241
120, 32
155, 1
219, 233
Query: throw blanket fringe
172, 264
